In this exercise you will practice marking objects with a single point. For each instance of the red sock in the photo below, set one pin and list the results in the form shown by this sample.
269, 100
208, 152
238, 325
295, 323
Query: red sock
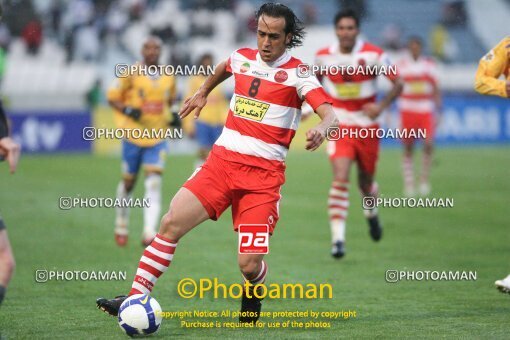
155, 261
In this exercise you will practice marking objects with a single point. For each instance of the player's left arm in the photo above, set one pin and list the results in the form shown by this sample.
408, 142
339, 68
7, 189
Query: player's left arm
310, 90
438, 101
316, 135
373, 110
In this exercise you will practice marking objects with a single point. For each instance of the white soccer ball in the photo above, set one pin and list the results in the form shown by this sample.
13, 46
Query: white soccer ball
140, 315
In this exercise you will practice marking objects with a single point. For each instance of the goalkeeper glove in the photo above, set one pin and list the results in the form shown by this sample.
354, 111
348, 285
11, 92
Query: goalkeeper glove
132, 112
176, 121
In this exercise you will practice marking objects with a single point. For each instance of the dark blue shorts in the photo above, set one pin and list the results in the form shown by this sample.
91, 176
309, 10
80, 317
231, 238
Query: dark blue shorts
134, 156
207, 134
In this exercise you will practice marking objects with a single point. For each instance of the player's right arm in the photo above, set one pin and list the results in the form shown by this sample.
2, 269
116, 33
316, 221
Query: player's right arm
199, 99
116, 95
490, 68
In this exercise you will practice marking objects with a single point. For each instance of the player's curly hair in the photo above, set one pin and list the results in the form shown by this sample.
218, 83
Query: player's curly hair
292, 23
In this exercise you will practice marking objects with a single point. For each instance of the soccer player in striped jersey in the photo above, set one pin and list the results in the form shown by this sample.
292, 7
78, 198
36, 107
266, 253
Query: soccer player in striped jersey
355, 105
492, 66
245, 169
419, 102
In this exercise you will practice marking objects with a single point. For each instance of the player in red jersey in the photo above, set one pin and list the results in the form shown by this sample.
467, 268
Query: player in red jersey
419, 100
245, 168
355, 105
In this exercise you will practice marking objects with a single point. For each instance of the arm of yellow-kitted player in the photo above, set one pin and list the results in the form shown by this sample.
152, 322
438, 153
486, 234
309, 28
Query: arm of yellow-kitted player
172, 92
490, 68
173, 116
188, 125
116, 96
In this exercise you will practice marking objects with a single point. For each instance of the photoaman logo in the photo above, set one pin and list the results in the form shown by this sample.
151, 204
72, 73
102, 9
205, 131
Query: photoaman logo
253, 238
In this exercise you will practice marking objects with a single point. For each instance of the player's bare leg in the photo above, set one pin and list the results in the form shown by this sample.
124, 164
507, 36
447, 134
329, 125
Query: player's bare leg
338, 204
407, 169
124, 190
254, 270
369, 188
151, 214
428, 148
7, 263
185, 213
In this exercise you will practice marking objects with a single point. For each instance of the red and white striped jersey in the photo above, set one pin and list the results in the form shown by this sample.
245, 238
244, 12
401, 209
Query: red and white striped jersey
265, 109
351, 91
420, 79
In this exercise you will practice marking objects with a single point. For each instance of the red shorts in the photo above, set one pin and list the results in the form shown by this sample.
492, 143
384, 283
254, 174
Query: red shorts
415, 121
253, 192
364, 151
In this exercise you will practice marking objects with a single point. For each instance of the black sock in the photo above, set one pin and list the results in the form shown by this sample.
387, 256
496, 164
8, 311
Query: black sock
2, 293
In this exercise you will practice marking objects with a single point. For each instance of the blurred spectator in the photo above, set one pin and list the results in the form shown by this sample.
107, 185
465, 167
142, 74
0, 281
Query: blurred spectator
32, 36
202, 23
24, 13
166, 33
357, 5
443, 46
87, 43
79, 13
136, 10
309, 13
5, 37
56, 11
454, 13
116, 21
244, 13
392, 37
94, 95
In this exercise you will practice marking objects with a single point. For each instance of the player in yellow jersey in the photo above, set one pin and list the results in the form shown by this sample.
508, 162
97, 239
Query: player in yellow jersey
207, 128
142, 102
492, 66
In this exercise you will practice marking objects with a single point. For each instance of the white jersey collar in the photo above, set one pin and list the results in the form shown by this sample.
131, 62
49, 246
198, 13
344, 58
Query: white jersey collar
283, 59
335, 48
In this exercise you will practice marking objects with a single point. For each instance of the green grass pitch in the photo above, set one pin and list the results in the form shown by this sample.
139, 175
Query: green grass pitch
471, 236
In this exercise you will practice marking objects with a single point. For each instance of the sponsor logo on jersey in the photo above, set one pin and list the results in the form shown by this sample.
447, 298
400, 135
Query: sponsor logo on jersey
250, 108
417, 87
281, 76
348, 90
245, 67
260, 74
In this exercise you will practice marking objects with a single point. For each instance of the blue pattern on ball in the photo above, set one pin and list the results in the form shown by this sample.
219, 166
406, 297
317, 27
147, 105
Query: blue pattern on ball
131, 331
